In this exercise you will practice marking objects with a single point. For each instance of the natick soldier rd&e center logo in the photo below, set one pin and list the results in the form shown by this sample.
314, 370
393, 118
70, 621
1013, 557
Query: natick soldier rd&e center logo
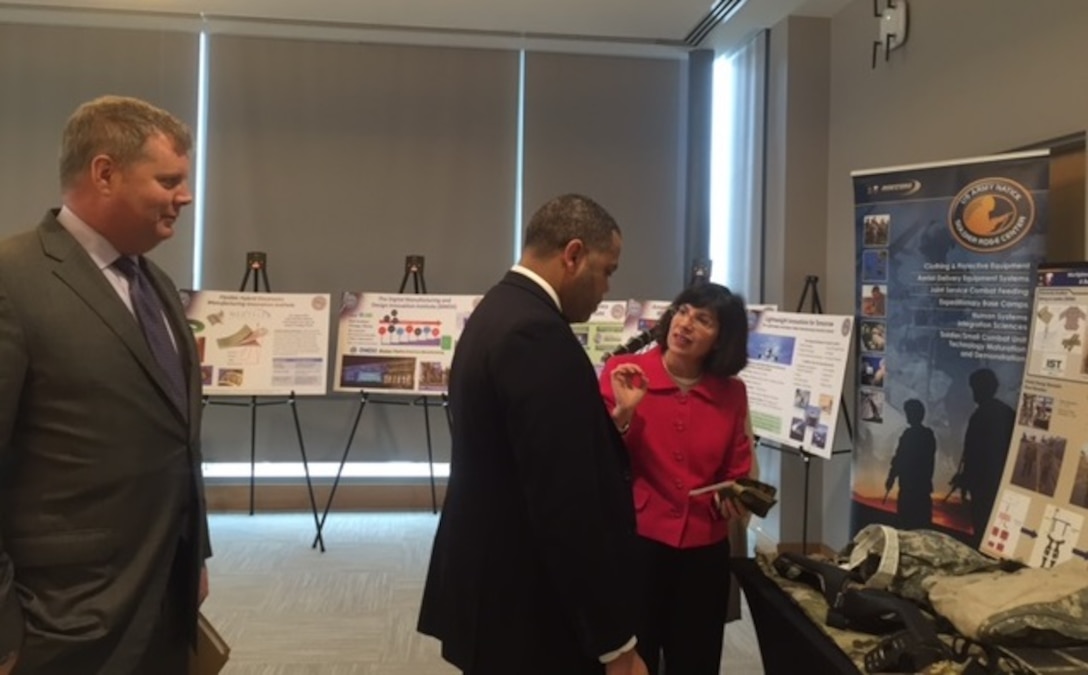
991, 214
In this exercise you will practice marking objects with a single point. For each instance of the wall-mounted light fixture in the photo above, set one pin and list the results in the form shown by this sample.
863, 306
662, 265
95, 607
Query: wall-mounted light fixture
893, 27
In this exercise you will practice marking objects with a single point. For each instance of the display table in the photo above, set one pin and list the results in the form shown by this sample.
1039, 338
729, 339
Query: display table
789, 642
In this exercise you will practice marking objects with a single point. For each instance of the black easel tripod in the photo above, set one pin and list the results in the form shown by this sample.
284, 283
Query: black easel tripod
815, 307
413, 269
256, 265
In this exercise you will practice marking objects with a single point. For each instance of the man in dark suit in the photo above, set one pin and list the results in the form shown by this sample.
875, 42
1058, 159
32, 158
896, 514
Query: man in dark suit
533, 567
103, 533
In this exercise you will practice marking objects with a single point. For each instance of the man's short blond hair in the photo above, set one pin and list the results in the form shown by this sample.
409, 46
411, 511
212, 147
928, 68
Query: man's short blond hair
117, 126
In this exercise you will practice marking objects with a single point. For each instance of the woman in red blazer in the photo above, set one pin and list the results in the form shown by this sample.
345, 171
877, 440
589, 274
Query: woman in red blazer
682, 415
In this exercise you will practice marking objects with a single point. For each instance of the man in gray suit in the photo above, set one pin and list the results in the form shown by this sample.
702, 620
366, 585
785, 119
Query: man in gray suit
103, 533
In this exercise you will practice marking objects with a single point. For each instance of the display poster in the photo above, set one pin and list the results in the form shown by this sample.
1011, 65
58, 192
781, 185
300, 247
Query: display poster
642, 315
260, 344
1039, 515
796, 367
398, 343
945, 271
602, 333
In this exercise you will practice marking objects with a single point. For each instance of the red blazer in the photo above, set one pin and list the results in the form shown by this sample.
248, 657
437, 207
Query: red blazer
679, 442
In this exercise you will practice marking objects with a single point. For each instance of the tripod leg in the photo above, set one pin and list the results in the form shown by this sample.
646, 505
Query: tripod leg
804, 514
340, 470
846, 418
804, 294
264, 277
404, 281
306, 469
245, 279
430, 452
252, 451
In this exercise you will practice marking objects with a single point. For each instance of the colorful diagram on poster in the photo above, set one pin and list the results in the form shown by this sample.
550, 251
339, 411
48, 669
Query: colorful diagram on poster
398, 343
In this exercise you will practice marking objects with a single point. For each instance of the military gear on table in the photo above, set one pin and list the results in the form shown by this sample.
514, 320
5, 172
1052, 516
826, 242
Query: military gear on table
911, 641
854, 644
1029, 607
900, 560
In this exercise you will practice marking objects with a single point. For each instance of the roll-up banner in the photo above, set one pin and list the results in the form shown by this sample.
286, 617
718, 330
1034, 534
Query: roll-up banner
946, 258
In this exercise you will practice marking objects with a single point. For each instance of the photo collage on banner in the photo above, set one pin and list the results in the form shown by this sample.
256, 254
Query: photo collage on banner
945, 260
398, 343
1039, 515
260, 344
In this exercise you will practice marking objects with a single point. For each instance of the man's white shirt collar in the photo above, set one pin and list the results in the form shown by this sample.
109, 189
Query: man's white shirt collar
98, 247
539, 280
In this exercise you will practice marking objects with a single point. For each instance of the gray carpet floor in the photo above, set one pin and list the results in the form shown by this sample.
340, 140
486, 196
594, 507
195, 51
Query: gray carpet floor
287, 609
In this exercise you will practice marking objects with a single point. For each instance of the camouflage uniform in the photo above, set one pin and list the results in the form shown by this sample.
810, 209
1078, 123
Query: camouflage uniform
1030, 607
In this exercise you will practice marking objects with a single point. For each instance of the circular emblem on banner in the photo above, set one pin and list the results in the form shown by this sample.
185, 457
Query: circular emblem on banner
991, 214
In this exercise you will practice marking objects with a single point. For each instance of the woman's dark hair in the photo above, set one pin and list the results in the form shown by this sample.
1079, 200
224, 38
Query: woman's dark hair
729, 355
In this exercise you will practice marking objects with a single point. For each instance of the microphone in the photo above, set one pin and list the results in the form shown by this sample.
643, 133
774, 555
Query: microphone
643, 339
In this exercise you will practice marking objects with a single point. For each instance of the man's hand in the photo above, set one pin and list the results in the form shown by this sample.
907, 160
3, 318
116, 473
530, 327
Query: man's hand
628, 386
628, 663
7, 662
201, 594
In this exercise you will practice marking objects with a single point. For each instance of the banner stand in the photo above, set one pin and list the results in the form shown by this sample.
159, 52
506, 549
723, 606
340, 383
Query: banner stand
413, 269
256, 265
815, 307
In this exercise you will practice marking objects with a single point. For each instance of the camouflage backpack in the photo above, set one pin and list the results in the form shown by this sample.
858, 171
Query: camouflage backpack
900, 560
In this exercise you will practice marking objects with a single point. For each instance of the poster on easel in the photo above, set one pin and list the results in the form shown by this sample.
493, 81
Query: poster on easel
602, 332
642, 315
1039, 515
260, 344
795, 373
398, 343
945, 259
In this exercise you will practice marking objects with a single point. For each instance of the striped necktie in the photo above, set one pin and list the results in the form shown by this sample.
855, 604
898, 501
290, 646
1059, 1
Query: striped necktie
151, 317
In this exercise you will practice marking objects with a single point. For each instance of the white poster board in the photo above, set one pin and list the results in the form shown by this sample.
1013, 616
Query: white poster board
398, 343
796, 366
1039, 514
642, 315
260, 344
603, 332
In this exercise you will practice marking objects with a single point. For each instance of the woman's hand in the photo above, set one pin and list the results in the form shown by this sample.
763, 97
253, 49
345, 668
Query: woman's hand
628, 386
730, 507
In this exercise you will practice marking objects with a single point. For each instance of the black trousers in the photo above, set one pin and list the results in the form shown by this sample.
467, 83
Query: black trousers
686, 593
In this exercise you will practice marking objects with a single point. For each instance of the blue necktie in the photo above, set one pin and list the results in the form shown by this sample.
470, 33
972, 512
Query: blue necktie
150, 315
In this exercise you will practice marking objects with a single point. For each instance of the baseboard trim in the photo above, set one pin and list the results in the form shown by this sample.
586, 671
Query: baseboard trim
227, 498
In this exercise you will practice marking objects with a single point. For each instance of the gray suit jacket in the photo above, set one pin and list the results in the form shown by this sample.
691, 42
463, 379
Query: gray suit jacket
100, 483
